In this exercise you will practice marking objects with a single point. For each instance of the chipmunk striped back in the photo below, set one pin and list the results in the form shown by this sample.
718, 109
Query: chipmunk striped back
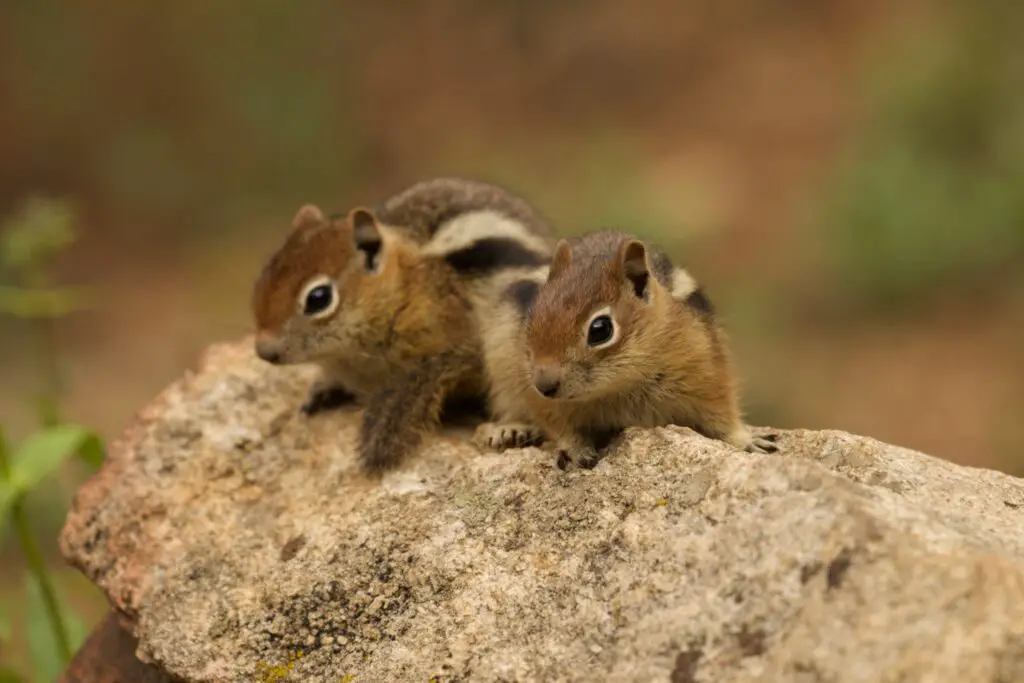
476, 228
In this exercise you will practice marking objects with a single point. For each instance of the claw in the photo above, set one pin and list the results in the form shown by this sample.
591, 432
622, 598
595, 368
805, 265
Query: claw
585, 457
500, 437
762, 445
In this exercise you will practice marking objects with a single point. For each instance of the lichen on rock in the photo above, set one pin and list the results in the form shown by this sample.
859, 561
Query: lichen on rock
240, 539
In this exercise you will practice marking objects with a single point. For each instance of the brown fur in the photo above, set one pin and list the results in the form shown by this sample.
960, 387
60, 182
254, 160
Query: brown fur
402, 337
502, 314
315, 245
397, 415
668, 364
392, 326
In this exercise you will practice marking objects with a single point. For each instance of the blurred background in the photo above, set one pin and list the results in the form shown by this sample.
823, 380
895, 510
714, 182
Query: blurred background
847, 176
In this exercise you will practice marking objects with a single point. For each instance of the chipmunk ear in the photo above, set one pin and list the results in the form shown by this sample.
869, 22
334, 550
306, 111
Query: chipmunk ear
366, 234
308, 214
561, 259
635, 267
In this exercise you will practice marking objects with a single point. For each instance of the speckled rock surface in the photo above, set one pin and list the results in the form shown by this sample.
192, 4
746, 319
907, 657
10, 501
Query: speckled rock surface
240, 542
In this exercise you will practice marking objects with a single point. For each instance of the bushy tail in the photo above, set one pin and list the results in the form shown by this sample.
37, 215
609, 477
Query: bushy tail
397, 416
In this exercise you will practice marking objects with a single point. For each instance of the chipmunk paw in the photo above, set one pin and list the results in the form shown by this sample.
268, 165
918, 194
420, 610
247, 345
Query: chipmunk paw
585, 457
763, 444
501, 435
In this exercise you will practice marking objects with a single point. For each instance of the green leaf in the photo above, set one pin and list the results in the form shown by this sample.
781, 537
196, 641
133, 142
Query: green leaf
42, 228
42, 644
10, 676
42, 453
43, 303
92, 451
7, 493
77, 630
7, 497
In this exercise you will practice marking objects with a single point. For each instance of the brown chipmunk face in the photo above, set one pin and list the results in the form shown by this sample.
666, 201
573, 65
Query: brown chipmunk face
306, 291
586, 322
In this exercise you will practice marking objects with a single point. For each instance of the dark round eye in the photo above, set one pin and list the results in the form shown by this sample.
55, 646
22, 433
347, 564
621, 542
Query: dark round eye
318, 300
600, 330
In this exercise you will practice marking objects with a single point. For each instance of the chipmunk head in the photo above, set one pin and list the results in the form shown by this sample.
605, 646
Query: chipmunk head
304, 296
587, 320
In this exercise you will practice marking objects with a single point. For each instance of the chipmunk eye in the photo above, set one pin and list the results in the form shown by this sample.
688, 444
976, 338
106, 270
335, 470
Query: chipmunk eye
600, 331
320, 298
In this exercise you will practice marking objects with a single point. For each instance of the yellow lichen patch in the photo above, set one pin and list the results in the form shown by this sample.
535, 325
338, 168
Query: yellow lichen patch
276, 673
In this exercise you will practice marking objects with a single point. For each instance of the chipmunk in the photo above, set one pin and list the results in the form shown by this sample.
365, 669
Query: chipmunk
611, 335
382, 299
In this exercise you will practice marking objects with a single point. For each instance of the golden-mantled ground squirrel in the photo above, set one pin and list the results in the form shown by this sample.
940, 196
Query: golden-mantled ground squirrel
610, 336
382, 300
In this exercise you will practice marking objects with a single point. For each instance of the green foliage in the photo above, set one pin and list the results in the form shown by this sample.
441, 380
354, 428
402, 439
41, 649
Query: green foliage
7, 499
42, 453
28, 245
9, 676
41, 230
8, 493
44, 647
54, 632
932, 193
49, 303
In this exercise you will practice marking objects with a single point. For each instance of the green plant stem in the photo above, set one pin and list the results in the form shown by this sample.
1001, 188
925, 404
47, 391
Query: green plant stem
37, 565
49, 360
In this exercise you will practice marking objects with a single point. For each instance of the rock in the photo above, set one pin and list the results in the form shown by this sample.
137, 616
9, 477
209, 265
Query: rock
108, 656
240, 542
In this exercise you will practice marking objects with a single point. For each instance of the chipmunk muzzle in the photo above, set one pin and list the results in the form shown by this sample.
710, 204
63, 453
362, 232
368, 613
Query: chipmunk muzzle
547, 379
268, 348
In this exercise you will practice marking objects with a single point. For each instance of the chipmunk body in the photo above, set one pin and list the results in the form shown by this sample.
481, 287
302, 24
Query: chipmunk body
613, 335
383, 301
507, 303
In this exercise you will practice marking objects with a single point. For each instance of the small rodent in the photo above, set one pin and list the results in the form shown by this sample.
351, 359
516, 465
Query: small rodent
382, 300
611, 335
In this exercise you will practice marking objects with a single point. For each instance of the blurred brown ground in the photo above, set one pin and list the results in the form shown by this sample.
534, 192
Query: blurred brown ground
187, 134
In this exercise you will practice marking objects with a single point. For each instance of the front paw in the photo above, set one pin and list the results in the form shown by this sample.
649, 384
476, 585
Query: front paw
501, 435
323, 397
741, 438
585, 457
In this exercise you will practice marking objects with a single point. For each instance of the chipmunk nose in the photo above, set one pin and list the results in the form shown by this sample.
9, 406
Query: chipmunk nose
548, 380
268, 349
